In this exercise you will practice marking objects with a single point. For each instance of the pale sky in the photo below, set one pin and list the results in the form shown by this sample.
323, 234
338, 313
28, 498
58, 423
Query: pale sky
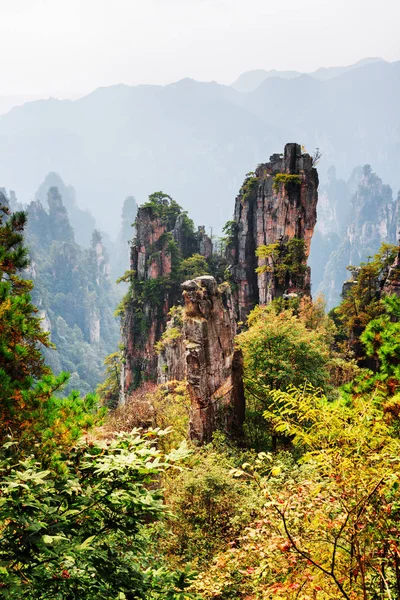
66, 48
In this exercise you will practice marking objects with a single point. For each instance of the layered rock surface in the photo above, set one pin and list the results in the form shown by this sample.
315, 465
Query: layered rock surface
213, 365
158, 247
276, 203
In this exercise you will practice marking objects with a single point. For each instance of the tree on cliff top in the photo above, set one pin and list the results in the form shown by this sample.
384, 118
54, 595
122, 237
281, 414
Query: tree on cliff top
164, 207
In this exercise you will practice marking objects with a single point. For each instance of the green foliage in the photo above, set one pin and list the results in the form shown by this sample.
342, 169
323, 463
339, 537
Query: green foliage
278, 351
249, 187
21, 361
82, 534
164, 207
169, 335
126, 277
229, 232
381, 339
210, 505
362, 303
173, 330
108, 390
192, 267
30, 409
290, 182
287, 260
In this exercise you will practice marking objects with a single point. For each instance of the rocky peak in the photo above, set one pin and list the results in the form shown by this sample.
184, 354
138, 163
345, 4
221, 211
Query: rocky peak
59, 221
277, 203
164, 236
373, 216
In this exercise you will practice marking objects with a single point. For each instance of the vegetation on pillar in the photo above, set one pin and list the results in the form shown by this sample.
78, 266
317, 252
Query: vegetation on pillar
249, 187
286, 260
362, 301
289, 182
192, 267
109, 389
164, 207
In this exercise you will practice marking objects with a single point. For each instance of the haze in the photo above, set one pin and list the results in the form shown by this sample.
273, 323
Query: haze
67, 48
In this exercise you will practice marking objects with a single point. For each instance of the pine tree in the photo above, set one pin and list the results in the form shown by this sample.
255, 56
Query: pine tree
21, 362
29, 410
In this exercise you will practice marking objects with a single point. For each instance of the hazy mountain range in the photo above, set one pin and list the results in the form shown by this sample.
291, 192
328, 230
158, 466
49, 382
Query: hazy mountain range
250, 80
197, 140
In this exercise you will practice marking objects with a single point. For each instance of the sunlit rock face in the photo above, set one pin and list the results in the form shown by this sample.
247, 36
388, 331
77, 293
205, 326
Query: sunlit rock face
276, 203
213, 365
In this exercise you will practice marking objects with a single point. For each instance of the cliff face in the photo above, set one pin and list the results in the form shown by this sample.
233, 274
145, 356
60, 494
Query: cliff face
213, 366
373, 218
146, 315
275, 204
164, 238
198, 346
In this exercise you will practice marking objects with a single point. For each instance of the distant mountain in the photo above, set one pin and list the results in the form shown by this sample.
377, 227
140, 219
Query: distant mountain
355, 218
81, 220
250, 80
195, 141
8, 102
72, 290
325, 73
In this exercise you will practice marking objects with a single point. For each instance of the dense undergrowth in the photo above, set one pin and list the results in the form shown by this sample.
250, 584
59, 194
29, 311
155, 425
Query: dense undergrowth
121, 506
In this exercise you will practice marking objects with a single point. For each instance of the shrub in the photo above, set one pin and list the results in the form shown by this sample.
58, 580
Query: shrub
81, 534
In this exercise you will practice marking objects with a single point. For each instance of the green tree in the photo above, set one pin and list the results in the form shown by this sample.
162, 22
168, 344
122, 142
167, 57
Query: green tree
164, 207
362, 301
108, 390
30, 409
192, 267
286, 260
21, 361
278, 351
381, 339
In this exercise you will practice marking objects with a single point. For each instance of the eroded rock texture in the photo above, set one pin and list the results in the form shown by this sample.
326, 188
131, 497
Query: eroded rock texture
272, 209
213, 365
158, 248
